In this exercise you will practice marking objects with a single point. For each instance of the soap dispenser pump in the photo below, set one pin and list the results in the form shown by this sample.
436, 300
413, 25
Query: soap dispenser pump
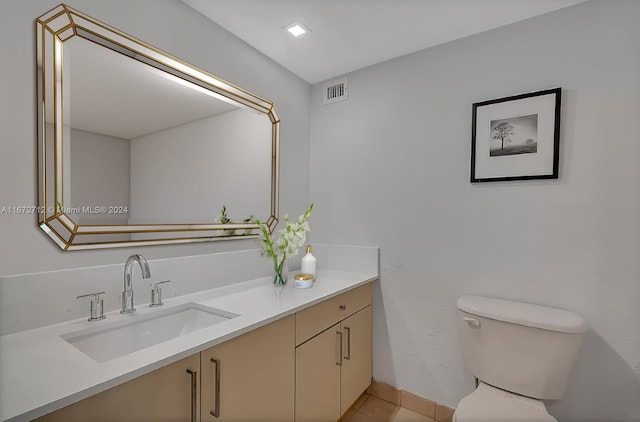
308, 265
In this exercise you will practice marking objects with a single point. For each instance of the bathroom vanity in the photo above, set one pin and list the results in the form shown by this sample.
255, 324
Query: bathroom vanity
247, 378
284, 354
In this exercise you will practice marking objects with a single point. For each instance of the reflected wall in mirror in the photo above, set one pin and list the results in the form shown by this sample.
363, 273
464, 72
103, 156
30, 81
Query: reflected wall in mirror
138, 147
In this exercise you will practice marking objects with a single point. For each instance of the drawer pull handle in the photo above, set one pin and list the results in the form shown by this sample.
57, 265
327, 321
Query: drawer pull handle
194, 393
343, 307
348, 355
216, 409
339, 344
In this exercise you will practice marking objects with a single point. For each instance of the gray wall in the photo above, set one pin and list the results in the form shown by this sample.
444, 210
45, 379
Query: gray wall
390, 167
186, 174
171, 26
99, 175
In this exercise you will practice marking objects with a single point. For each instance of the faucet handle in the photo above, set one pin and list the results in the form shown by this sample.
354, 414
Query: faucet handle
97, 306
156, 293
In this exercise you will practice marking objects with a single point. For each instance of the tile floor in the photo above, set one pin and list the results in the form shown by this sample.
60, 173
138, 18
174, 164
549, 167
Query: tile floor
372, 409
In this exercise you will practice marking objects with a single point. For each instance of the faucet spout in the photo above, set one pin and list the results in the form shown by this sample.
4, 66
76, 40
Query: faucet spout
127, 293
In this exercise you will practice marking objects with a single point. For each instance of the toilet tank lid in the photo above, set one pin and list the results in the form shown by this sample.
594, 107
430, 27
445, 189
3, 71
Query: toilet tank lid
521, 313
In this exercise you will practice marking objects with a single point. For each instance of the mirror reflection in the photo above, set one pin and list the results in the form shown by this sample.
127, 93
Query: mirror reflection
153, 148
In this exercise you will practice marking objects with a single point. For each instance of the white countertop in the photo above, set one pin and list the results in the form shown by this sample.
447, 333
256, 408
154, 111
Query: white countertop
40, 372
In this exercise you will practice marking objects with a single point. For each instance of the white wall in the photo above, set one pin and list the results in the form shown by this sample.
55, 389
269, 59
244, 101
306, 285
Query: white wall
390, 167
169, 25
99, 166
187, 173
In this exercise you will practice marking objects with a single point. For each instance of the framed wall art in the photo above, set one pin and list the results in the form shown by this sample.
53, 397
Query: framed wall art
516, 138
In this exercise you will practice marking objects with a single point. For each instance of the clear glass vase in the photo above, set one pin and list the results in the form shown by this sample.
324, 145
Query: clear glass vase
280, 275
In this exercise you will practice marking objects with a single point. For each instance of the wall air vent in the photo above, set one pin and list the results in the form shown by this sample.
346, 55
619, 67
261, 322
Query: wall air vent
335, 91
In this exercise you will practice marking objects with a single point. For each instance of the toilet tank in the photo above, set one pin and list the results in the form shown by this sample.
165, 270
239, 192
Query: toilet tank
519, 347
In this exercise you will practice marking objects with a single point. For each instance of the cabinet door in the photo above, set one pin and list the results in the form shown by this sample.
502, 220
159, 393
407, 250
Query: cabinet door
318, 377
251, 377
355, 376
168, 394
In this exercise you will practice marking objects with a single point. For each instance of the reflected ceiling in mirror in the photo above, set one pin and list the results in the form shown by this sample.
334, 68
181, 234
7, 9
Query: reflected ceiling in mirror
136, 146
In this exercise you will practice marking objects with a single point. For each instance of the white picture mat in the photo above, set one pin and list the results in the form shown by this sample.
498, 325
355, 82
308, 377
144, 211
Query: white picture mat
540, 163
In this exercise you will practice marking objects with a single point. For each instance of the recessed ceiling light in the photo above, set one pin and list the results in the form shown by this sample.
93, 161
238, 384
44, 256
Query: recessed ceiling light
297, 29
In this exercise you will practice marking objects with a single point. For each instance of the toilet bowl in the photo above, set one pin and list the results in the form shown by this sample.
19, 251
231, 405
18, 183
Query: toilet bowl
491, 404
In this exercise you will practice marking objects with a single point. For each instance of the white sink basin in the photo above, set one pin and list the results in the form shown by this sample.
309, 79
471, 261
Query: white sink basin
141, 331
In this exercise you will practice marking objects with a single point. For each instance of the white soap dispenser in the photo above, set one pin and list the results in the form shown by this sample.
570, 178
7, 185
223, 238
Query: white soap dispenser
308, 265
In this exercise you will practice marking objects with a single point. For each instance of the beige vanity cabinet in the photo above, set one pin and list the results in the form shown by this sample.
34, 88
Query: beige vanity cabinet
251, 378
170, 393
248, 378
355, 374
318, 378
333, 355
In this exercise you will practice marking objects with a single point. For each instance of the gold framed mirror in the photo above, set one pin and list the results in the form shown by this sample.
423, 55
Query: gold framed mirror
137, 147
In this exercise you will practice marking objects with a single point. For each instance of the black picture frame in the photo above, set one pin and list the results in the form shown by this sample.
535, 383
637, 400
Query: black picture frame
533, 154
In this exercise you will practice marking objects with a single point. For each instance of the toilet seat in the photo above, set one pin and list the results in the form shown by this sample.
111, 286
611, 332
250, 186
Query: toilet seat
490, 404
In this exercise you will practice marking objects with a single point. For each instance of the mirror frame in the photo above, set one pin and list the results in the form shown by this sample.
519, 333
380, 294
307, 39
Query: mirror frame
53, 29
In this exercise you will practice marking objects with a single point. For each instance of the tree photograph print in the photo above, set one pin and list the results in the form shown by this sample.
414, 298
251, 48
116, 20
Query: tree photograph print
516, 135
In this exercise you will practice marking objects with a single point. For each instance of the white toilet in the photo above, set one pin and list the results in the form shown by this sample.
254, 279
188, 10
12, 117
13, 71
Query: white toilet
521, 353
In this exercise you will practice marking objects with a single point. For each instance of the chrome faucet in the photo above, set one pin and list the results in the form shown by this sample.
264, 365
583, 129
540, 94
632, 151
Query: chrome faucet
127, 294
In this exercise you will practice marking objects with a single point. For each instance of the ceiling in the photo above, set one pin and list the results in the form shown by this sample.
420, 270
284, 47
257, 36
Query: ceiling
112, 94
347, 35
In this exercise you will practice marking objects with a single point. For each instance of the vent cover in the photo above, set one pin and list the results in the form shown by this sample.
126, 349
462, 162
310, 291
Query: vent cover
335, 91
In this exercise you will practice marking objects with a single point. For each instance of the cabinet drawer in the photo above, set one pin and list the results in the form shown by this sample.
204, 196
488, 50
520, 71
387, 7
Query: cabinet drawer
317, 318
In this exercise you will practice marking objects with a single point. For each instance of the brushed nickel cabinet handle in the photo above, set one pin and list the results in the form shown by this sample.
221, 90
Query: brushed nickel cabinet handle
339, 360
216, 409
348, 355
194, 393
